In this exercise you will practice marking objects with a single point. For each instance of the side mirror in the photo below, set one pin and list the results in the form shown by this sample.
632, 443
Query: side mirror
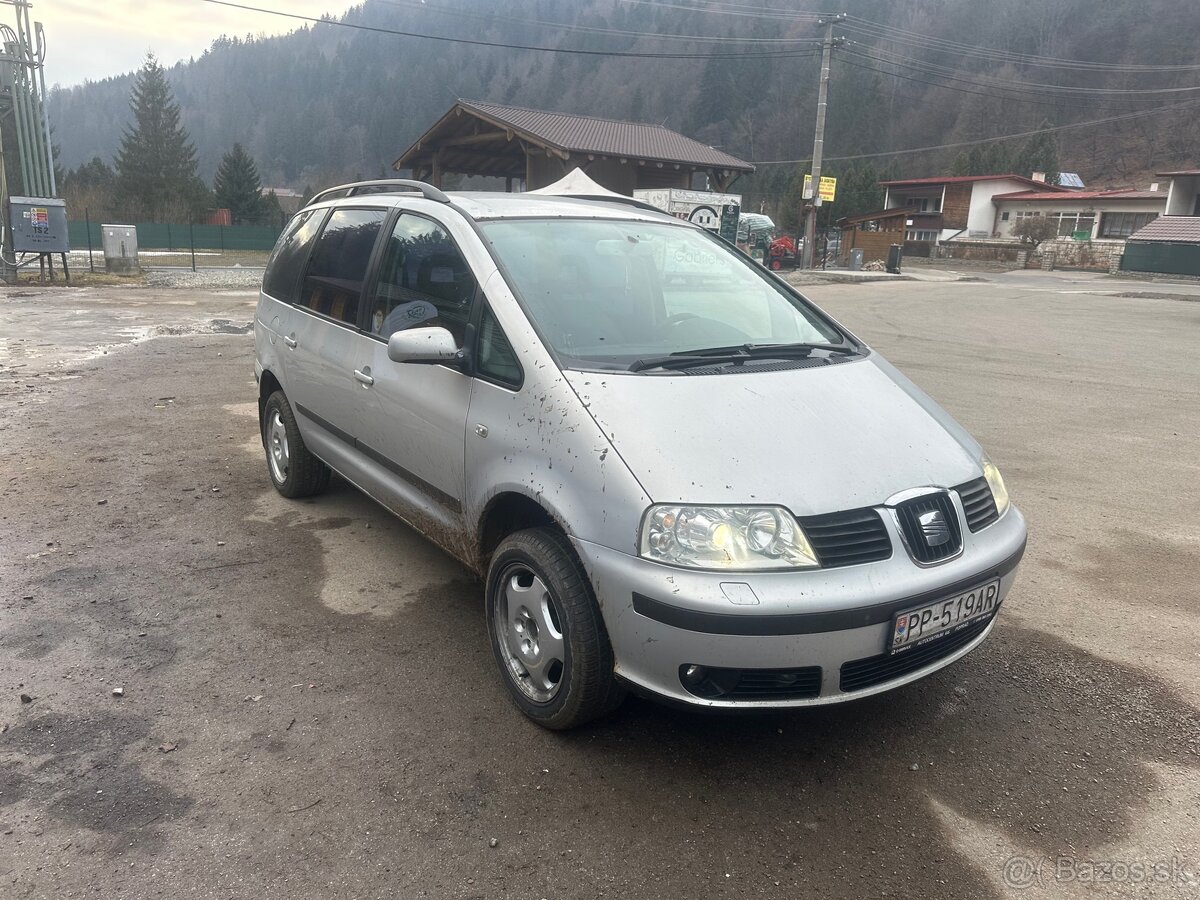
423, 345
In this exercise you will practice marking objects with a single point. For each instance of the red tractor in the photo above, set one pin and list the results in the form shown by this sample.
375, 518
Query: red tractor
782, 254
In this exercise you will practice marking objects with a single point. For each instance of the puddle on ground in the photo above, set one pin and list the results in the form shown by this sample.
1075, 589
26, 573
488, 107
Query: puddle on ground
1136, 863
373, 564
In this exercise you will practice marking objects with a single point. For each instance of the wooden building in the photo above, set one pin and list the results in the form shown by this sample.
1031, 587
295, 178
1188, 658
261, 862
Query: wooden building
874, 233
533, 148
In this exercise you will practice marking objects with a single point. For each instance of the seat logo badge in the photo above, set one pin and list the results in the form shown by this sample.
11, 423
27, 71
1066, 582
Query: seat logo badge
934, 528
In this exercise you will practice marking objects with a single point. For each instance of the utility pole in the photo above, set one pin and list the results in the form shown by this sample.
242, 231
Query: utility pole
810, 228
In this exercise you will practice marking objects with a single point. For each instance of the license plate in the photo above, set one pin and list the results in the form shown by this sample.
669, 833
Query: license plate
936, 621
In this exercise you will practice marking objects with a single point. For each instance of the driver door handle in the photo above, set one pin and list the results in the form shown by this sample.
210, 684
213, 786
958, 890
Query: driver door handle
364, 377
291, 342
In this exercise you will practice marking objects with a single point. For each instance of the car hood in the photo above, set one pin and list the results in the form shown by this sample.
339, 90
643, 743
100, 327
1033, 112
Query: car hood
815, 440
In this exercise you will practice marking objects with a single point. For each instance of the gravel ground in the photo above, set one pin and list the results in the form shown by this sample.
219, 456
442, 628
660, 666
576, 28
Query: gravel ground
310, 707
204, 278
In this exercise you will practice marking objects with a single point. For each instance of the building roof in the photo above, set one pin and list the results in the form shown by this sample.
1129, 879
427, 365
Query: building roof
1170, 230
1072, 196
1182, 173
967, 179
896, 212
571, 133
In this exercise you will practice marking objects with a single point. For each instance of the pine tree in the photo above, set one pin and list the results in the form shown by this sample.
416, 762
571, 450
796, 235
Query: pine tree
156, 165
1039, 154
961, 164
238, 188
272, 210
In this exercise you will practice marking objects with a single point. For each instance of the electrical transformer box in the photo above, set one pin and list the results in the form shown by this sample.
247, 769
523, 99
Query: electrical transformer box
39, 225
120, 245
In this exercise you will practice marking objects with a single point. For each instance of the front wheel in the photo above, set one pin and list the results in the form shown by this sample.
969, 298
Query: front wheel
546, 631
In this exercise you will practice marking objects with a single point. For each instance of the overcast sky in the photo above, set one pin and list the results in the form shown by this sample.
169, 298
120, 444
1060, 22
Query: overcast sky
92, 39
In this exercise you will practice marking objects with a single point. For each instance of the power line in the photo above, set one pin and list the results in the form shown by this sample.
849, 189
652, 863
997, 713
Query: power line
1025, 86
1015, 95
628, 54
948, 87
880, 30
732, 9
418, 5
1187, 104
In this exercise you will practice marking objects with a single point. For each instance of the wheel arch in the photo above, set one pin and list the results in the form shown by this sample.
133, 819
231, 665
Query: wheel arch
267, 385
506, 512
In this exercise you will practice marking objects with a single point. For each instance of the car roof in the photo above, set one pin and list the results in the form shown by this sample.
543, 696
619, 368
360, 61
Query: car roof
485, 205
498, 205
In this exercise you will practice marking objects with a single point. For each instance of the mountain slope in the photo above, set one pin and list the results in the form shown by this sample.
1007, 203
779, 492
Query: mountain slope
326, 102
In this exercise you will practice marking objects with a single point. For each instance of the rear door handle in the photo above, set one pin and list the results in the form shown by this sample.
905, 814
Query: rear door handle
364, 377
291, 342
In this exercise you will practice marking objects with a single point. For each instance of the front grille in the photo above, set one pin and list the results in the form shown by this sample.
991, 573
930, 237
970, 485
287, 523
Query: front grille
848, 538
865, 673
919, 536
756, 684
978, 504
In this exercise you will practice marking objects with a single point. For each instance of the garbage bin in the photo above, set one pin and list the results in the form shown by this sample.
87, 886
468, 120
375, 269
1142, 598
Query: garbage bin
856, 260
895, 253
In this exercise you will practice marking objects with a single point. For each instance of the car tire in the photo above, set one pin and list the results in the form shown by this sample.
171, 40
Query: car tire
547, 633
293, 469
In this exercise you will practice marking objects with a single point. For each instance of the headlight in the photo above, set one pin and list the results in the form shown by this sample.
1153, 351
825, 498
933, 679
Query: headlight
996, 483
725, 537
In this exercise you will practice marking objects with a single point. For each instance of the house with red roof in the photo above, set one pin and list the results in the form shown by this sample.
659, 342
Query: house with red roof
1081, 215
956, 206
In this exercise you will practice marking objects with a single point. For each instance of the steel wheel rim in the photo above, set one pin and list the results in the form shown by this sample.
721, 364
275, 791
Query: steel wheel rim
277, 447
529, 633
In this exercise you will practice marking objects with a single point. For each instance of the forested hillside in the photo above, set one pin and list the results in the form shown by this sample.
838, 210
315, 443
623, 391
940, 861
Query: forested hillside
329, 102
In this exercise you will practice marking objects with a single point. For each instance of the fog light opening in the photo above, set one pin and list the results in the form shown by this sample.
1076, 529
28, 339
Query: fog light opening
692, 675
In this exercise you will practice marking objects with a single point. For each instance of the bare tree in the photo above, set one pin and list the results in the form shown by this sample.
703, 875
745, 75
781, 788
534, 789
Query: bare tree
1035, 229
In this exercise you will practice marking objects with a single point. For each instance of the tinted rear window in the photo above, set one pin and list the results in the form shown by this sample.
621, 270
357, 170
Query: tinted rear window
283, 269
334, 278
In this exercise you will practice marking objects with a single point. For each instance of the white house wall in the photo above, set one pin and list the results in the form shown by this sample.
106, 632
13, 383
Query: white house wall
1182, 196
1047, 208
981, 216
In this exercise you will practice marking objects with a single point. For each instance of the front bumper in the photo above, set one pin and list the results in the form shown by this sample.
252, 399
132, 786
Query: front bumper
660, 618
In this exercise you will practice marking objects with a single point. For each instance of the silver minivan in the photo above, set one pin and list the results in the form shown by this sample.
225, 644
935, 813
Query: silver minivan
674, 473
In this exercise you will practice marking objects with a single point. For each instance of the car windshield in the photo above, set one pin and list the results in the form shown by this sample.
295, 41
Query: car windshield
611, 294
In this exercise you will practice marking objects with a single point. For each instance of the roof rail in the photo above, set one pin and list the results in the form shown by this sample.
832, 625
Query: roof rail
382, 186
624, 201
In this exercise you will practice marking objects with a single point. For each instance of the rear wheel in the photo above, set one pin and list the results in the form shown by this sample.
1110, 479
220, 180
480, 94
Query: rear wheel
546, 630
294, 471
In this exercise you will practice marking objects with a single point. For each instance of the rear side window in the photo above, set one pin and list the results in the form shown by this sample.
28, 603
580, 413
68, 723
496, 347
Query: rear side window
423, 281
334, 278
283, 269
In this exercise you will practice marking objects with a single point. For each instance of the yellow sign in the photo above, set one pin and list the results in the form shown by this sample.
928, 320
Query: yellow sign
828, 189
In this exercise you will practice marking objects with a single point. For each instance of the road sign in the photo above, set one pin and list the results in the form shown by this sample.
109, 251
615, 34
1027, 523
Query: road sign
827, 192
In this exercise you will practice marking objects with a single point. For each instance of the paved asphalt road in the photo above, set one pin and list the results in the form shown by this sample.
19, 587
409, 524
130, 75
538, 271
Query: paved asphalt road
310, 707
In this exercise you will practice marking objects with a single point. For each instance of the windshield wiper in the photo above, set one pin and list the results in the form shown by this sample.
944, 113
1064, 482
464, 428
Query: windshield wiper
735, 354
769, 350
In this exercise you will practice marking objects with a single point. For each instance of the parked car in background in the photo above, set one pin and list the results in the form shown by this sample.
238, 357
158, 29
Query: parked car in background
704, 488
